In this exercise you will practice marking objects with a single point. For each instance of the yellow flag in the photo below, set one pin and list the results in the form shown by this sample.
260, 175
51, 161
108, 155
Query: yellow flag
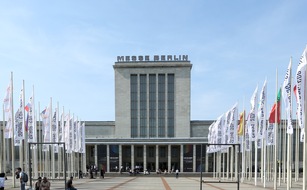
241, 124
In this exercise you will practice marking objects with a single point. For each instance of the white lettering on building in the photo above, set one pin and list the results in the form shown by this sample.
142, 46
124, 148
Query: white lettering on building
141, 58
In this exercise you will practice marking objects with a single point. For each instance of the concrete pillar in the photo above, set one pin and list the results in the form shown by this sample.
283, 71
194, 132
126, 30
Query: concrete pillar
157, 157
120, 157
207, 161
181, 158
108, 158
95, 155
144, 158
132, 157
194, 157
169, 158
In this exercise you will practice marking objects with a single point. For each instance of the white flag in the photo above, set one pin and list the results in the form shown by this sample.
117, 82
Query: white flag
262, 112
286, 95
233, 125
225, 128
82, 148
76, 136
30, 121
300, 81
247, 135
61, 131
210, 138
46, 127
252, 117
54, 131
8, 131
68, 134
270, 135
18, 130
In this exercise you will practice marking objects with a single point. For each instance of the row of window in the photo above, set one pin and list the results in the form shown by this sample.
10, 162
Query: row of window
158, 100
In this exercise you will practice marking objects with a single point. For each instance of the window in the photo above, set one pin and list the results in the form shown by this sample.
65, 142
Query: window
134, 105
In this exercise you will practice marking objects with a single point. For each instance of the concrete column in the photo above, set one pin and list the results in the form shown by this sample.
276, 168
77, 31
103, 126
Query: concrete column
132, 157
181, 158
108, 158
157, 157
207, 161
194, 157
120, 157
144, 157
95, 155
169, 158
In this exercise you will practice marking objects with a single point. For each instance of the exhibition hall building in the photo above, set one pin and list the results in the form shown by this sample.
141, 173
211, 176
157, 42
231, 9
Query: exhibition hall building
152, 130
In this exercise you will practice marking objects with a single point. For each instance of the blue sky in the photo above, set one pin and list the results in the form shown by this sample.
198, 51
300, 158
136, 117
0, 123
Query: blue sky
67, 49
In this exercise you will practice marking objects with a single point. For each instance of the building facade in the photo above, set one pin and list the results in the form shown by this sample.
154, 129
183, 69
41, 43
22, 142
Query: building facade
152, 129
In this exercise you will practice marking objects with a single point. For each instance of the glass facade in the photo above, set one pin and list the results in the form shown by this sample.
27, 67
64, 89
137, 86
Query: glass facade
152, 105
161, 105
170, 105
134, 105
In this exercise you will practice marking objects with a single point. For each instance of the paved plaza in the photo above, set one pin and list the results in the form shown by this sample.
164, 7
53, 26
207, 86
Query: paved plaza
156, 182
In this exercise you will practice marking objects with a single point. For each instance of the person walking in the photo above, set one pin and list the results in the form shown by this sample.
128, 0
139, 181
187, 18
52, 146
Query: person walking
20, 175
2, 180
102, 173
45, 184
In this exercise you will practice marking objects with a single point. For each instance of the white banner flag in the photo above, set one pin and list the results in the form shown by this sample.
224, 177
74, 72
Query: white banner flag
252, 117
211, 138
54, 131
247, 135
30, 122
67, 133
233, 125
300, 80
61, 130
18, 131
76, 136
8, 131
286, 95
46, 127
225, 129
82, 148
19, 128
270, 140
262, 112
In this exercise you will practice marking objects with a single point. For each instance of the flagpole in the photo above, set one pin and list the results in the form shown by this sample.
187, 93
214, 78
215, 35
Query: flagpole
59, 148
264, 135
304, 127
2, 146
51, 139
39, 148
78, 153
84, 148
4, 149
263, 167
297, 149
284, 150
34, 123
275, 139
64, 140
25, 139
256, 154
73, 147
12, 139
21, 159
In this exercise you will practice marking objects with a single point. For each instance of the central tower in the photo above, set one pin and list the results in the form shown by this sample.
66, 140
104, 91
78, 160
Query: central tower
152, 98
